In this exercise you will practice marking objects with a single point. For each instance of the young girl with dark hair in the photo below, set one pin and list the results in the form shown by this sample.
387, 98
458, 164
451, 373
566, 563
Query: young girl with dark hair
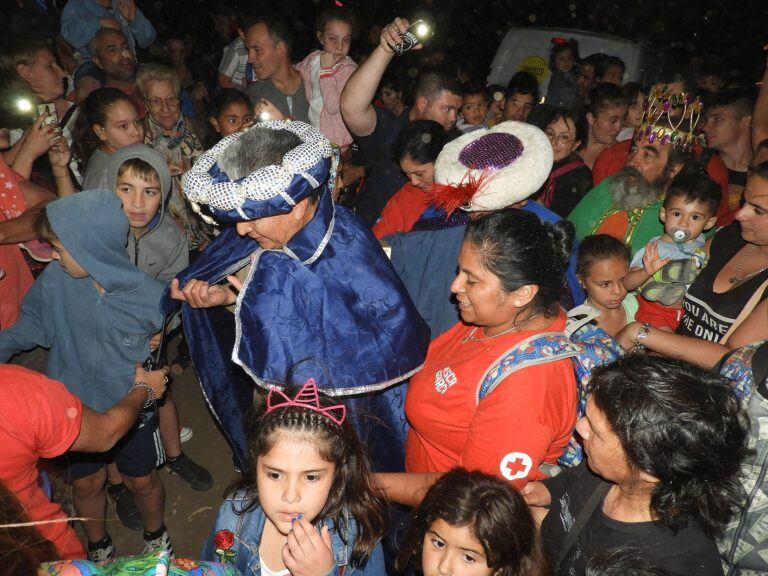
472, 524
606, 107
562, 89
309, 507
108, 121
230, 112
602, 265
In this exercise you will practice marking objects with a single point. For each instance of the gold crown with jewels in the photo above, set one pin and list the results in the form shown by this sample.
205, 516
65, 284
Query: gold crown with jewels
670, 118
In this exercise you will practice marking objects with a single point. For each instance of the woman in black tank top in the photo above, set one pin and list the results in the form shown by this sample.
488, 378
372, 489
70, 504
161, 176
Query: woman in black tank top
737, 270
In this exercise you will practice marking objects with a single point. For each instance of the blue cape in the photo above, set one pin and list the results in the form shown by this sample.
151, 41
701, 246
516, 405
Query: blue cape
331, 295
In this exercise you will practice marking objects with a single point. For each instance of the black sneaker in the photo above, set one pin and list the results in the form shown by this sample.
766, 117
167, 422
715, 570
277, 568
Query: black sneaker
191, 472
125, 507
101, 552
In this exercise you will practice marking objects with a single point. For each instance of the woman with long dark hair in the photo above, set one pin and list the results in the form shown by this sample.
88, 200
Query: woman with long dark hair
665, 442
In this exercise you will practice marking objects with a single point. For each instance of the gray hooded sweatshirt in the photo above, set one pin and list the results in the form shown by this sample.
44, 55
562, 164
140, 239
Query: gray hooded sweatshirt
162, 251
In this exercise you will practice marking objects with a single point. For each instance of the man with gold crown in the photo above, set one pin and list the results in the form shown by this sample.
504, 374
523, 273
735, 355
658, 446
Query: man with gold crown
627, 204
313, 284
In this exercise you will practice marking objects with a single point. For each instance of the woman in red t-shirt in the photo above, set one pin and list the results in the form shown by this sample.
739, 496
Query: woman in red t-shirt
509, 283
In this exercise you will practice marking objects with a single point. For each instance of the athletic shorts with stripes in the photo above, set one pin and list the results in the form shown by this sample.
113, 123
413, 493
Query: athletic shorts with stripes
136, 454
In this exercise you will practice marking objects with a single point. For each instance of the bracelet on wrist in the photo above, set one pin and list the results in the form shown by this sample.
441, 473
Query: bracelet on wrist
641, 335
150, 393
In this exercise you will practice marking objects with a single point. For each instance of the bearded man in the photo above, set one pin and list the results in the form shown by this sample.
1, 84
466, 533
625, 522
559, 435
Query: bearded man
627, 204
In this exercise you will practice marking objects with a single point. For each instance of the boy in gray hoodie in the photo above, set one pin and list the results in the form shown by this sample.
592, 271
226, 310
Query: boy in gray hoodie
96, 312
140, 178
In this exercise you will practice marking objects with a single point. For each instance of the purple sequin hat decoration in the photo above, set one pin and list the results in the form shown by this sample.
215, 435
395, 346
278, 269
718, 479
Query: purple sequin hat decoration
492, 169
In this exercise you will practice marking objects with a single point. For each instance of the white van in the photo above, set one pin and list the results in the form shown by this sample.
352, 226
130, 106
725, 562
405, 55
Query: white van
528, 49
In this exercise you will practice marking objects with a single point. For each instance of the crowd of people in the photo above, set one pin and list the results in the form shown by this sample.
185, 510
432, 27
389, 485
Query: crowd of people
444, 327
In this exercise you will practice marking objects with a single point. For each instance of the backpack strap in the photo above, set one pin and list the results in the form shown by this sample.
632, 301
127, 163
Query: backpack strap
564, 169
595, 499
538, 349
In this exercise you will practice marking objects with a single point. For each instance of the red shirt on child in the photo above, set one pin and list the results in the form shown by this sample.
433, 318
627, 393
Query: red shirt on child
402, 211
41, 419
528, 419
17, 279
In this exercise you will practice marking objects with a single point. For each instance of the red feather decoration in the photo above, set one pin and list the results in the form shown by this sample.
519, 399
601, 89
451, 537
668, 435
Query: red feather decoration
450, 197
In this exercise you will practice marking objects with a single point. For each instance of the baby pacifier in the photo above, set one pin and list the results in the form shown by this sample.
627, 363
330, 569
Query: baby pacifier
679, 235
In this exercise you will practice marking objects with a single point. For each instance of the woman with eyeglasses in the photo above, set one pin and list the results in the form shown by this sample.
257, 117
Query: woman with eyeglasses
570, 178
168, 132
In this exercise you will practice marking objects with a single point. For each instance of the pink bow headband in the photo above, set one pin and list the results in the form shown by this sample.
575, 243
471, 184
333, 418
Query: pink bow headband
307, 397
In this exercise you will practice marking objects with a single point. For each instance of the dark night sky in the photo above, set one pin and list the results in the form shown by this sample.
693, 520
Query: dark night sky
736, 32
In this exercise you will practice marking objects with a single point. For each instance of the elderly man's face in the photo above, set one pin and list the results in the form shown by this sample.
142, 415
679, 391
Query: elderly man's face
264, 54
114, 55
274, 232
650, 158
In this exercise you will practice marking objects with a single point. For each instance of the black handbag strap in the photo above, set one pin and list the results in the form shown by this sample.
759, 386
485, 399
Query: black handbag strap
597, 496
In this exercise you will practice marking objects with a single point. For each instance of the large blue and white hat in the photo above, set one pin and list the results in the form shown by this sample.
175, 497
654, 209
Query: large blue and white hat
268, 191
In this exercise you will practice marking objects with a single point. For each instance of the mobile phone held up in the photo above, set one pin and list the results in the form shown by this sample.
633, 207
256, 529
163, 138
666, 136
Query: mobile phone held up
417, 32
48, 110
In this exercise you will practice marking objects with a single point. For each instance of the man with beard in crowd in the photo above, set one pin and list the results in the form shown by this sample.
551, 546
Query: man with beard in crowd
616, 156
627, 204
112, 55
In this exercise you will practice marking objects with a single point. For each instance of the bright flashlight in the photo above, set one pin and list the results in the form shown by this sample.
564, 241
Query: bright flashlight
264, 116
422, 30
24, 105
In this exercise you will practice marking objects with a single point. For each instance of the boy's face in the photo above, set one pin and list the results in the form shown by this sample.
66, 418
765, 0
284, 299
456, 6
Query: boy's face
141, 198
694, 217
613, 75
67, 263
723, 127
474, 109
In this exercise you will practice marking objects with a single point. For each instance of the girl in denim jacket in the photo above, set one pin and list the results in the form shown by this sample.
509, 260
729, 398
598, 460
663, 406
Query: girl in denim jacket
308, 507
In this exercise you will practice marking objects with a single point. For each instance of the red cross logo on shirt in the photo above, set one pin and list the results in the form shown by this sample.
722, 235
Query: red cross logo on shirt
515, 465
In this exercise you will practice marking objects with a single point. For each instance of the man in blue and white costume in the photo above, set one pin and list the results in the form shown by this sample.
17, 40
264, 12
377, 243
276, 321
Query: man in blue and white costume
314, 283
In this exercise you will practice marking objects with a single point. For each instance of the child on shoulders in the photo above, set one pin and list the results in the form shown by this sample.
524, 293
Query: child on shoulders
325, 73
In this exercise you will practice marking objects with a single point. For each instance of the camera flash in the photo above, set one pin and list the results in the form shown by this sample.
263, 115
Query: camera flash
422, 30
264, 116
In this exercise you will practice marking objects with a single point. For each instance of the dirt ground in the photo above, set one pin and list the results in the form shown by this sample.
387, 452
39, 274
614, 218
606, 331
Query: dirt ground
189, 515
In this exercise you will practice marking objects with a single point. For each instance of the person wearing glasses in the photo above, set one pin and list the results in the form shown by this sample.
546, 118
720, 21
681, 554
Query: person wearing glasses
168, 132
570, 179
